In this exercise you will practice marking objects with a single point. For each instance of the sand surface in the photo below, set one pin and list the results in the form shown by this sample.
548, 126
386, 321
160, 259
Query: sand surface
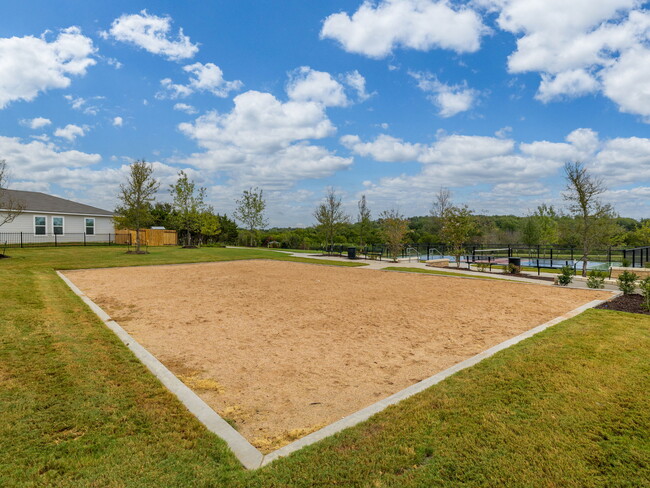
282, 349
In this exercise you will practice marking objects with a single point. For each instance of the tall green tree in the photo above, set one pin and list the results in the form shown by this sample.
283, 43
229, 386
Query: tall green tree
363, 220
541, 227
250, 212
330, 216
593, 218
458, 226
136, 197
228, 229
209, 225
188, 204
395, 229
10, 207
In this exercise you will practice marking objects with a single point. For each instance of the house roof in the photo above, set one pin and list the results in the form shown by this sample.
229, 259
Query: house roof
41, 202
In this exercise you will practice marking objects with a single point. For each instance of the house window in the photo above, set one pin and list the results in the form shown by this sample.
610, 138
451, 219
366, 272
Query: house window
90, 227
40, 226
57, 225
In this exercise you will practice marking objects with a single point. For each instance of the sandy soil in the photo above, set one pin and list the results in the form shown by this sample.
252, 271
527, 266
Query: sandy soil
282, 349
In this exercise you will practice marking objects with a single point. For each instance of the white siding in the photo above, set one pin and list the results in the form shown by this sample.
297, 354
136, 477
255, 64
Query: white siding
73, 225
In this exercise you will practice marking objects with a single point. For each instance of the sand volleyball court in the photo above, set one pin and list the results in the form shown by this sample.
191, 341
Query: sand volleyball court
280, 349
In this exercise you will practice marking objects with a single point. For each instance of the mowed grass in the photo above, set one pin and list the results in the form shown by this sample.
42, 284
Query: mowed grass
568, 407
441, 273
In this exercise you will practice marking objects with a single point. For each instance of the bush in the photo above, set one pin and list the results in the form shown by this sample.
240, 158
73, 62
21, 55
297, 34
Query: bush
625, 263
511, 269
482, 266
566, 276
596, 279
645, 292
626, 282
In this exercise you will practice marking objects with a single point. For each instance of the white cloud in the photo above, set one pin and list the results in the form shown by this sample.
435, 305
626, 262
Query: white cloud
36, 123
151, 33
308, 85
81, 104
30, 65
516, 171
184, 107
581, 47
27, 161
118, 121
376, 29
627, 82
355, 80
70, 132
203, 77
384, 148
264, 140
573, 83
450, 99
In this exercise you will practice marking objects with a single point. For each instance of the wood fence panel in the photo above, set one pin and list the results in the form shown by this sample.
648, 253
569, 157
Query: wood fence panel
149, 237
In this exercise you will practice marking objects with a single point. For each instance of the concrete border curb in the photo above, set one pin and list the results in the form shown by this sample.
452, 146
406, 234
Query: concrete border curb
248, 455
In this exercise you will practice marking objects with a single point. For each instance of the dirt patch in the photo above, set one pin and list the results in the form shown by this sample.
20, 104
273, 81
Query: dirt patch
280, 349
626, 303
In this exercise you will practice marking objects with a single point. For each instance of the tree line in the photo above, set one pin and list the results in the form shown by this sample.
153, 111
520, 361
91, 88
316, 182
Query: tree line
196, 222
586, 224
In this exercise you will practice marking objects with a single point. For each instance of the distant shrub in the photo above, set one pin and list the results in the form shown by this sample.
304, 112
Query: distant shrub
626, 263
511, 269
645, 292
596, 279
566, 276
626, 281
482, 266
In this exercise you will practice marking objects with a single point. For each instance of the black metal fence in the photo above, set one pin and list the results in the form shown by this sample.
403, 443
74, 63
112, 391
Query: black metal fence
548, 256
638, 256
27, 239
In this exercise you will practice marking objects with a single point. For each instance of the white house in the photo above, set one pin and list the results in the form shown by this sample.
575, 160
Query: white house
46, 218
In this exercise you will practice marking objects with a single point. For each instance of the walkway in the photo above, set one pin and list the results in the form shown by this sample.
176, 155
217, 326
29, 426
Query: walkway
404, 263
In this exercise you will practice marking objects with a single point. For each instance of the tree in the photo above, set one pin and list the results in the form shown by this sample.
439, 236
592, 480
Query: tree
136, 196
541, 227
395, 228
209, 225
458, 225
250, 211
228, 228
330, 216
363, 220
592, 217
441, 203
188, 205
10, 207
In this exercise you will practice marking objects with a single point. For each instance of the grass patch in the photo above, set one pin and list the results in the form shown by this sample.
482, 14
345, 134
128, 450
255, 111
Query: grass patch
441, 273
565, 408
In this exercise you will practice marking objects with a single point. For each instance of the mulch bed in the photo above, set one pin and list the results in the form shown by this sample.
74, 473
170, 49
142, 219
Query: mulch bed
625, 303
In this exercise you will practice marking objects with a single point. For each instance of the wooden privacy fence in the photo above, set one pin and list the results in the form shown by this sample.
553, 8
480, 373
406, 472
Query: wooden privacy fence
150, 237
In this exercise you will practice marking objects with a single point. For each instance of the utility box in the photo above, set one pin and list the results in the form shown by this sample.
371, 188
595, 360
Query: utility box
352, 253
515, 261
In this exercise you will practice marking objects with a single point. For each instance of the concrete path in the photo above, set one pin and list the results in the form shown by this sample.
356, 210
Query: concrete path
404, 263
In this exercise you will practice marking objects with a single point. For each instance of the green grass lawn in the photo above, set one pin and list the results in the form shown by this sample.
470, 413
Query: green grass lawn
442, 273
567, 408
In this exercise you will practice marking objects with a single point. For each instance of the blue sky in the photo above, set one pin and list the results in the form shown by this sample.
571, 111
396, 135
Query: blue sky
392, 99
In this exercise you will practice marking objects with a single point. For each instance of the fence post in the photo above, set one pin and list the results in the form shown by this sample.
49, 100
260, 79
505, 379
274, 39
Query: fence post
84, 239
109, 238
552, 257
55, 241
609, 255
21, 240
